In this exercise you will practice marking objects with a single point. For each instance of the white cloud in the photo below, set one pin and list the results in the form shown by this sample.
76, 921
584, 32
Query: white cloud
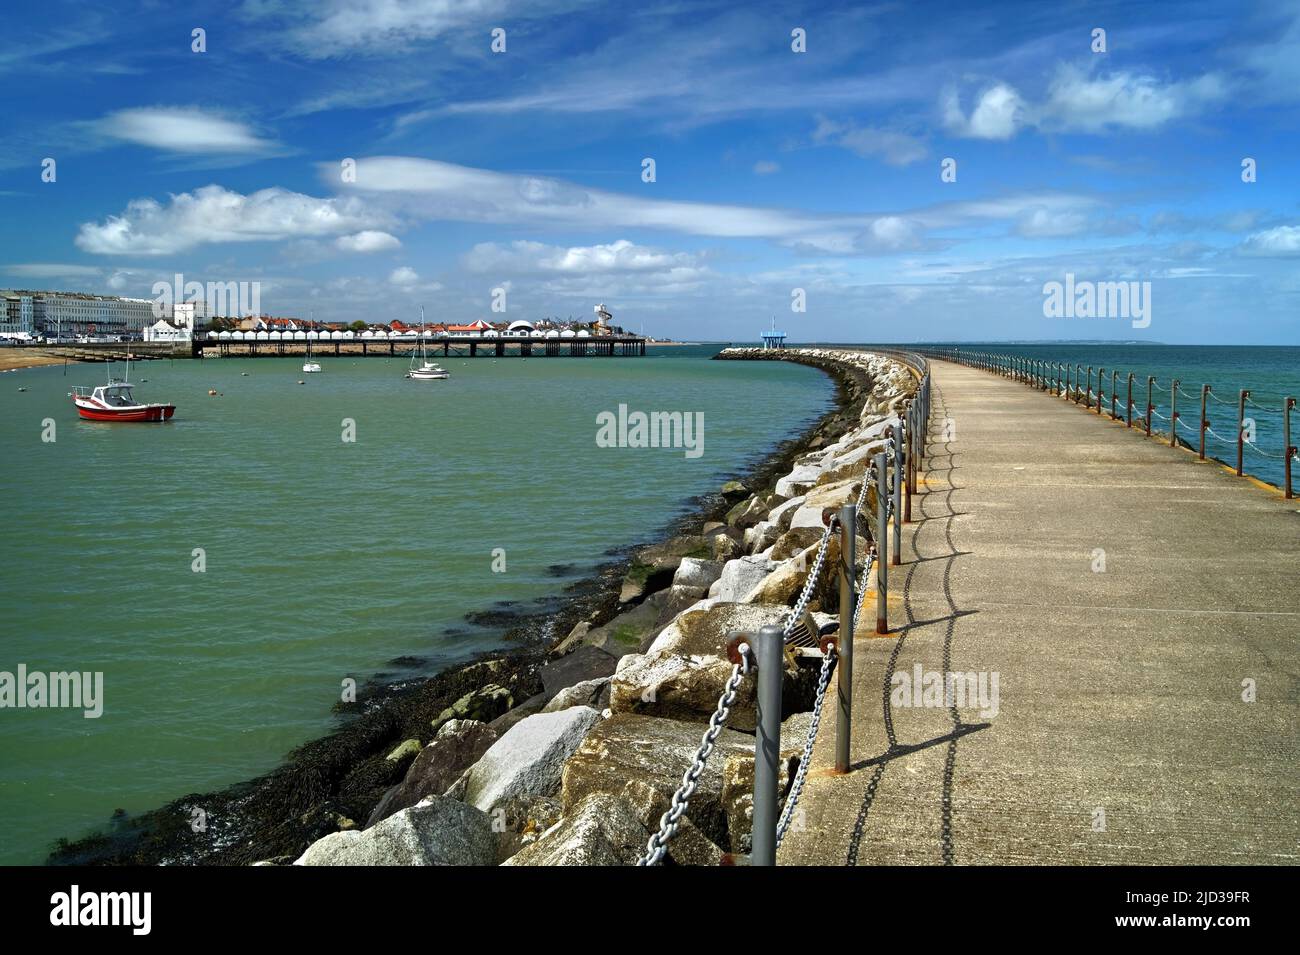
895, 148
1080, 103
1283, 241
369, 240
998, 114
404, 276
215, 214
766, 167
188, 129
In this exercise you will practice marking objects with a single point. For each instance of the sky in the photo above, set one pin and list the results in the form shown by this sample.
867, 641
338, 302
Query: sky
363, 158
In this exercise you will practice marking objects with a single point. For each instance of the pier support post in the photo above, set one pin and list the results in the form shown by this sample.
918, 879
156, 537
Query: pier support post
882, 542
768, 651
1129, 412
1151, 380
844, 639
1101, 388
1114, 389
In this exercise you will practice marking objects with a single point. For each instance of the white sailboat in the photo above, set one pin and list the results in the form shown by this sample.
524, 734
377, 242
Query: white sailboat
310, 365
428, 371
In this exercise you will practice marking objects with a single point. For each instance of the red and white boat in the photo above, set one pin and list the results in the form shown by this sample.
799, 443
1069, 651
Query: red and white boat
115, 401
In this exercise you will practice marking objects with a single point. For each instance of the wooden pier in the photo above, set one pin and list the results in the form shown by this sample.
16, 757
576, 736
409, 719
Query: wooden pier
607, 346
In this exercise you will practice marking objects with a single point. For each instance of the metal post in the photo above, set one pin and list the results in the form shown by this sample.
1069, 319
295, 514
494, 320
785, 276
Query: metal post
1173, 413
1089, 392
1151, 380
882, 542
1205, 422
1101, 391
1241, 427
896, 556
909, 476
1114, 388
1287, 405
1130, 400
844, 640
768, 652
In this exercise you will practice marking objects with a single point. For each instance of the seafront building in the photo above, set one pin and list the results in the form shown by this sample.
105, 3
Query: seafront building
73, 313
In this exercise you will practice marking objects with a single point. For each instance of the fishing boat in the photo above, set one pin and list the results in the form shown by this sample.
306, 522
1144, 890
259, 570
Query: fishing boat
116, 401
428, 370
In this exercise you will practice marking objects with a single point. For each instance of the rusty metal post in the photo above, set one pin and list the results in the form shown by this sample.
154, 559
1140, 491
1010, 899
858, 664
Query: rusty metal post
1129, 414
1101, 390
1287, 405
1089, 392
1173, 413
844, 639
882, 542
1241, 427
1205, 422
1114, 388
1151, 380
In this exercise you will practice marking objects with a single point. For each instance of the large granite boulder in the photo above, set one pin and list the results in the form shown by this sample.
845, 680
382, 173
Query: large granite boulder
799, 480
626, 632
528, 759
584, 663
782, 513
682, 674
747, 513
694, 572
740, 576
592, 693
656, 752
457, 746
436, 831
603, 830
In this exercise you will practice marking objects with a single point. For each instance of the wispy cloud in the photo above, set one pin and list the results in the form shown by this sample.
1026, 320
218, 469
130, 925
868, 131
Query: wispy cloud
184, 129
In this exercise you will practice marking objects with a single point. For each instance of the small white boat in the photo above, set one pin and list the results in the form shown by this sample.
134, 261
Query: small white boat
428, 370
310, 365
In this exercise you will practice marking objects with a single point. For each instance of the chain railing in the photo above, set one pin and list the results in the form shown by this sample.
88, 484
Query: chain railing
1067, 380
893, 473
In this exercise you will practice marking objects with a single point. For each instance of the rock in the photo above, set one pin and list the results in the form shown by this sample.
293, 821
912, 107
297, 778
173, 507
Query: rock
682, 673
786, 583
781, 514
737, 796
799, 480
406, 750
601, 831
654, 752
484, 704
795, 540
457, 746
653, 567
740, 576
626, 632
726, 548
690, 846
437, 831
521, 821
761, 536
676, 599
572, 640
747, 513
501, 725
593, 693
694, 572
734, 491
585, 663
527, 760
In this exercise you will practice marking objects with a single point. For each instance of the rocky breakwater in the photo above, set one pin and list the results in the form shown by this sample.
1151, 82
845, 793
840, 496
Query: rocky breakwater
580, 772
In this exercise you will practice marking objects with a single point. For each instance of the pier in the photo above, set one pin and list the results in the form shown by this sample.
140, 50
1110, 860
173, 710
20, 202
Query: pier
446, 346
1139, 608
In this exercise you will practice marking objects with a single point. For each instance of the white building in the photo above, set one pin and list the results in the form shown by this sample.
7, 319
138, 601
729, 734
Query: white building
164, 331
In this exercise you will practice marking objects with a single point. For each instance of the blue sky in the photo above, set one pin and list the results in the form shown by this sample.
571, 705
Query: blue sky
775, 170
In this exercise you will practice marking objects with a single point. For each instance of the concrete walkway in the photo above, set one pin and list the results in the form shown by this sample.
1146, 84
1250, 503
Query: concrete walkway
1121, 735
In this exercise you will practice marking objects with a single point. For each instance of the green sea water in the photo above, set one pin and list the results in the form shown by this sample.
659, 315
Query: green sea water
323, 559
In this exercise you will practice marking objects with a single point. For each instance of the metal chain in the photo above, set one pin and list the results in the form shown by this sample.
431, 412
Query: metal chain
805, 760
862, 587
810, 583
657, 847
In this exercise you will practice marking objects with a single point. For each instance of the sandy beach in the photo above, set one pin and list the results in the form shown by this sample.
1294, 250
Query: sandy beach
12, 359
